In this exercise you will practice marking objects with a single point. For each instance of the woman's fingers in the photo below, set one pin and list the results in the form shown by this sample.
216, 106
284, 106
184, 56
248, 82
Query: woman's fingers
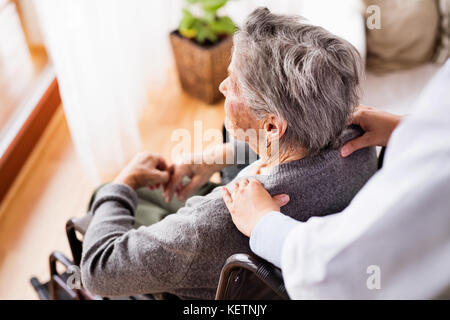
157, 176
195, 183
154, 187
161, 163
174, 181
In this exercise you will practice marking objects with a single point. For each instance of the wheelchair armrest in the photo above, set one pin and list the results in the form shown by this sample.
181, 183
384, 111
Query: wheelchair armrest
59, 282
74, 226
81, 224
262, 269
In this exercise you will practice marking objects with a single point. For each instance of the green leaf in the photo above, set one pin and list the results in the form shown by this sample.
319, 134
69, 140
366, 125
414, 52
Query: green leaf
223, 25
211, 36
210, 16
205, 33
208, 27
213, 5
187, 21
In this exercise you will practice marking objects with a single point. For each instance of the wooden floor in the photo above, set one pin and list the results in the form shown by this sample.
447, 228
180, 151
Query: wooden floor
53, 187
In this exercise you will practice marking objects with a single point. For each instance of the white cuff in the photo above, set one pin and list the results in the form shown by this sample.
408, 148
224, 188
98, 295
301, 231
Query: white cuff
268, 236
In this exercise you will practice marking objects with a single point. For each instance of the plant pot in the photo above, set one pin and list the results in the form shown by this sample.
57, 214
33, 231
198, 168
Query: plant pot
201, 68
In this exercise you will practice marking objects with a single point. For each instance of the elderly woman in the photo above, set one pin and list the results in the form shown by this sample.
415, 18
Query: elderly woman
291, 85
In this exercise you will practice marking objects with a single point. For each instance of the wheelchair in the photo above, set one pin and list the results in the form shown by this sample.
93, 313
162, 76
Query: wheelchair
243, 276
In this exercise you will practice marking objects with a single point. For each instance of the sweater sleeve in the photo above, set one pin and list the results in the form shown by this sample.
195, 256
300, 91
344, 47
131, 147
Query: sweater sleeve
120, 260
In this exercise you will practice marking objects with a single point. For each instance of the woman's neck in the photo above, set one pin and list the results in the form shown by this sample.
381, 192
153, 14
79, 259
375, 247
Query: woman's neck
292, 155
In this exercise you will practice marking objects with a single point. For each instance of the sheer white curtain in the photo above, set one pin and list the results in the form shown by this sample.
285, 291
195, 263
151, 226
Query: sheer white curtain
108, 53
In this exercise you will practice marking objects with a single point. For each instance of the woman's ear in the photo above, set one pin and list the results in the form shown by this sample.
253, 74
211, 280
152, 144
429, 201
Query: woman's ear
274, 127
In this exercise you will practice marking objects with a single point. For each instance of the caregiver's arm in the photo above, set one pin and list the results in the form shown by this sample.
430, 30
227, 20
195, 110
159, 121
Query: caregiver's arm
391, 242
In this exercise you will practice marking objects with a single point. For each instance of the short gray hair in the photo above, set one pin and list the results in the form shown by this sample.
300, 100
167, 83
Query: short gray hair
299, 72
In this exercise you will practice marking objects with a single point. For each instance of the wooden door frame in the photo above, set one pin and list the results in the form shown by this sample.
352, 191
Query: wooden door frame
18, 151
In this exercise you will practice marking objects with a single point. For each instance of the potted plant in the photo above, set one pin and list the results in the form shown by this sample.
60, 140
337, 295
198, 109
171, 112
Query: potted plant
202, 49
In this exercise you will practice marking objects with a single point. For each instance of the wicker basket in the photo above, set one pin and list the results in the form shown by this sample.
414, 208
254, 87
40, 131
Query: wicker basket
201, 69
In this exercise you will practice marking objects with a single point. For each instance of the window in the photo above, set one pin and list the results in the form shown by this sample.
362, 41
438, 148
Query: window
26, 77
20, 70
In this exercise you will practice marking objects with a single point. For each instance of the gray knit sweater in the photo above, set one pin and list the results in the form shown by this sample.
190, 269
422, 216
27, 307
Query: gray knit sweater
184, 253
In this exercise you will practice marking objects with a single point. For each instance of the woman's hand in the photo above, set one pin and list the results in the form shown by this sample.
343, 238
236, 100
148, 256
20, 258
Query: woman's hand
199, 167
145, 170
248, 202
198, 173
377, 125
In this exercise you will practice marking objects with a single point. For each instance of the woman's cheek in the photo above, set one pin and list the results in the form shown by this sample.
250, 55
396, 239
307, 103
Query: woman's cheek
230, 111
233, 106
231, 118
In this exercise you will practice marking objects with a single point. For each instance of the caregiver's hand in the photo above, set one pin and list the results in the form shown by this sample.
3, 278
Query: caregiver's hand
377, 125
145, 170
199, 167
248, 202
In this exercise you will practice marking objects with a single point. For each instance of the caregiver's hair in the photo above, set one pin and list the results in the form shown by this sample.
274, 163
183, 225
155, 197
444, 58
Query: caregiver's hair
299, 72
